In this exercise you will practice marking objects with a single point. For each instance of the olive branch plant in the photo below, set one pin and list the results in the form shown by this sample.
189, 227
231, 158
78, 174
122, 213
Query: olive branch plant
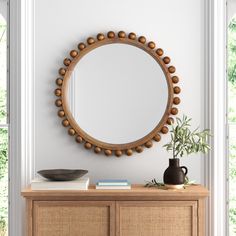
184, 142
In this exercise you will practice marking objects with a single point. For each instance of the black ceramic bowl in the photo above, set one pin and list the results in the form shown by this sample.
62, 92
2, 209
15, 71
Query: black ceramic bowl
62, 174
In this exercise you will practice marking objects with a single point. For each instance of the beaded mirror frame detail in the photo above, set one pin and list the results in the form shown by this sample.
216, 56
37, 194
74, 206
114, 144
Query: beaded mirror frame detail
62, 87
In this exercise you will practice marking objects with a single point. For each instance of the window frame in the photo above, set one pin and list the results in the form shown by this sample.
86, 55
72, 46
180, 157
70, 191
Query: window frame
4, 13
216, 164
21, 119
231, 10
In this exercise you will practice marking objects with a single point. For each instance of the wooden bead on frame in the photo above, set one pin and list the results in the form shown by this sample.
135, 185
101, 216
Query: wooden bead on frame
65, 123
157, 138
139, 149
79, 139
175, 79
170, 121
177, 90
97, 150
88, 145
171, 69
142, 39
73, 53
108, 152
151, 45
166, 60
132, 36
90, 40
148, 144
159, 52
100, 36
174, 111
62, 71
176, 100
61, 113
71, 131
118, 153
164, 130
67, 61
129, 152
121, 34
59, 81
58, 102
111, 34
81, 46
57, 92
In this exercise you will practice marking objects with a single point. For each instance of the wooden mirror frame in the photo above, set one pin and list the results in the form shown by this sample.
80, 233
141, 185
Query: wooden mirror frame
72, 126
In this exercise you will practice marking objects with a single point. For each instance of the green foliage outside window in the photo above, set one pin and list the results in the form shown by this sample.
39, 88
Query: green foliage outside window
232, 123
3, 179
232, 51
3, 134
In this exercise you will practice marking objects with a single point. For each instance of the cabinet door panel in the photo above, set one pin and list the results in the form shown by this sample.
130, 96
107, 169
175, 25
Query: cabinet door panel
159, 218
73, 218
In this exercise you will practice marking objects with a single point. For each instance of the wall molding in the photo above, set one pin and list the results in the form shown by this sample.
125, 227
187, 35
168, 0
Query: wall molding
216, 164
21, 107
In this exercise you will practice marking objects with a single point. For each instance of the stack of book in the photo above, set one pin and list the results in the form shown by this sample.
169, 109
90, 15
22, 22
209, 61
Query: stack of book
44, 184
113, 184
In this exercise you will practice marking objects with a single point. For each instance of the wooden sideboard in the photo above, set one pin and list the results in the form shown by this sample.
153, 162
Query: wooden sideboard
136, 212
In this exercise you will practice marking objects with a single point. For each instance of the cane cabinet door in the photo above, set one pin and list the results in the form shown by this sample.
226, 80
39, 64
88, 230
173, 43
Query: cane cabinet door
73, 218
154, 218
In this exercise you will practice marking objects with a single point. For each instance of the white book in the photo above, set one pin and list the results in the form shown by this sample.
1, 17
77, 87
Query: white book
113, 187
113, 182
44, 184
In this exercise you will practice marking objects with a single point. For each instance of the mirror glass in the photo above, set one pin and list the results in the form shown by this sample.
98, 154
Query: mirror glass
117, 93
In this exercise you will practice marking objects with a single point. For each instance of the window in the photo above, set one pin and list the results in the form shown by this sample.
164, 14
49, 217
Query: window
3, 125
232, 123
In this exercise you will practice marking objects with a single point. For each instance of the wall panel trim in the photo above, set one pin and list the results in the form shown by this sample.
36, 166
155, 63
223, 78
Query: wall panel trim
216, 164
21, 107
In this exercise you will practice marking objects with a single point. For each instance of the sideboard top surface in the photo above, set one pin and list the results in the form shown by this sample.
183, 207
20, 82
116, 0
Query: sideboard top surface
136, 192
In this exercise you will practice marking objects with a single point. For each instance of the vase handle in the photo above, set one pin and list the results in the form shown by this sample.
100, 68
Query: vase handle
185, 169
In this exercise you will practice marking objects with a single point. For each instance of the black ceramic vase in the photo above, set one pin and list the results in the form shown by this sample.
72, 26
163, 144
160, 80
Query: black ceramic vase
174, 175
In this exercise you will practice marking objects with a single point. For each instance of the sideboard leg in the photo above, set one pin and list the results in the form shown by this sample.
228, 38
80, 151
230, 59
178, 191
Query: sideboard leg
201, 217
29, 216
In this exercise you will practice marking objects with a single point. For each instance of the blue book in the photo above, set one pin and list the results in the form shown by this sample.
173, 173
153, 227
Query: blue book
113, 182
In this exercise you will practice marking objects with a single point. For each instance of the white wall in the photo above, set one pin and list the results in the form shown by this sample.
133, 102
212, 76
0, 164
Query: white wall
176, 26
3, 8
231, 9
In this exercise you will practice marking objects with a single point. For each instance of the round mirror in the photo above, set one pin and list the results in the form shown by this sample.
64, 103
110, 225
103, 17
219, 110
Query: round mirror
115, 90
117, 93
